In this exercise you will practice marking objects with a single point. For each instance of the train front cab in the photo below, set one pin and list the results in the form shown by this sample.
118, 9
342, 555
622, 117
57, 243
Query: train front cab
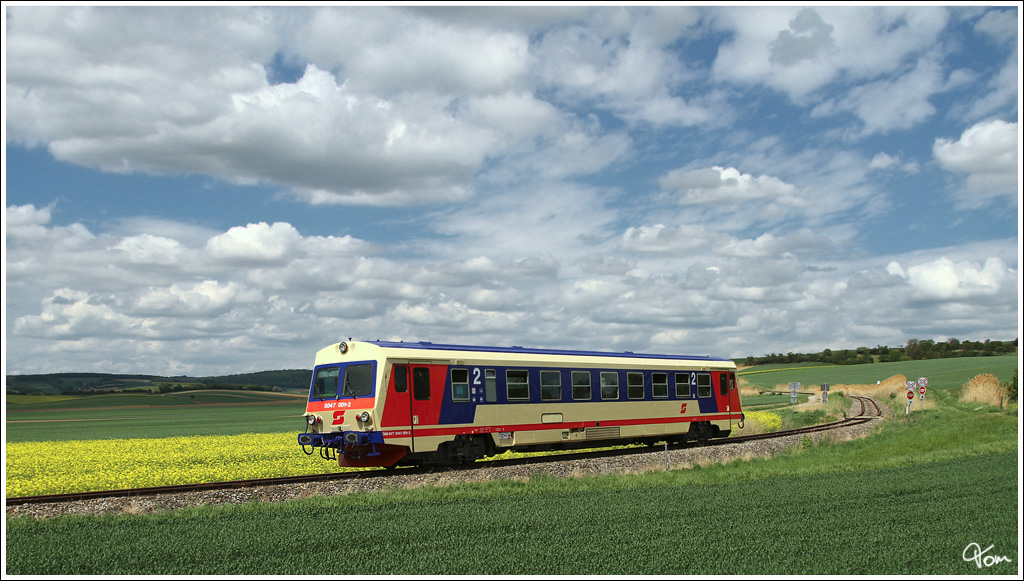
344, 409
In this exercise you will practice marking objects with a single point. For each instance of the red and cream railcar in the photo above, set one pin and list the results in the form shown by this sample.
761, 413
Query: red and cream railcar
385, 403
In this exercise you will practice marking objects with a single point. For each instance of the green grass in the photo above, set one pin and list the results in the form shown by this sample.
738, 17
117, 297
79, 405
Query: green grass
941, 373
661, 523
759, 401
123, 416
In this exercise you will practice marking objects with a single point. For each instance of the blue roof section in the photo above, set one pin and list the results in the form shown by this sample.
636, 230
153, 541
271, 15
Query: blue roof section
530, 351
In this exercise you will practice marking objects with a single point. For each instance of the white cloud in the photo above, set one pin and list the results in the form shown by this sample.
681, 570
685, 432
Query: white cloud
801, 50
808, 38
988, 153
945, 280
388, 50
768, 245
1003, 88
71, 315
561, 284
113, 72
1002, 25
255, 244
884, 161
152, 250
664, 239
200, 106
719, 185
895, 103
689, 179
205, 299
26, 222
618, 60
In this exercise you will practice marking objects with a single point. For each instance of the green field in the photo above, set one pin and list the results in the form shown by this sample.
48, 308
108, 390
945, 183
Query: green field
907, 500
34, 418
941, 373
659, 524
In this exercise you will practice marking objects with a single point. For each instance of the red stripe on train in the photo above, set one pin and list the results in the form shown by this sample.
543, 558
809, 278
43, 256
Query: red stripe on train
434, 431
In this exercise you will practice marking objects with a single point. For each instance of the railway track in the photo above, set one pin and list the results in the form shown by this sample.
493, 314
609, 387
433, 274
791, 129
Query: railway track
869, 410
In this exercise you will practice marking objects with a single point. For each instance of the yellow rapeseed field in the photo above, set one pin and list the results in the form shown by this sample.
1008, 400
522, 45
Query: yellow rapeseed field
76, 466
760, 422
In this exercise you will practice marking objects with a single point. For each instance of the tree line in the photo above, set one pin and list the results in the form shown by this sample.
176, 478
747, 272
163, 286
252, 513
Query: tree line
914, 350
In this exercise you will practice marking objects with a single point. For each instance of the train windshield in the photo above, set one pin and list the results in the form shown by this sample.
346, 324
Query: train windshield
354, 380
358, 380
326, 383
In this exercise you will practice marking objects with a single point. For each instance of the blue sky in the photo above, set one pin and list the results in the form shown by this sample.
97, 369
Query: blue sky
195, 190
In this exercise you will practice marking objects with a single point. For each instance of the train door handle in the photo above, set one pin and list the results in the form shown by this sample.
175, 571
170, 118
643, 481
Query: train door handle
415, 420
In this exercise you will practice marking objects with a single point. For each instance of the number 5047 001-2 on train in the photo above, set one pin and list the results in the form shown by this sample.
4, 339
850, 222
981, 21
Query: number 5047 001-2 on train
386, 403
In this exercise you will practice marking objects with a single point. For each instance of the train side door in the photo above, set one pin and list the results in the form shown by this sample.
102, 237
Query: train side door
420, 405
398, 408
731, 396
408, 404
734, 397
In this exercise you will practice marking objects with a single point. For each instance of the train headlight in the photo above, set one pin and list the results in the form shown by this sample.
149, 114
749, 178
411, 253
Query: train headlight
343, 347
311, 419
364, 417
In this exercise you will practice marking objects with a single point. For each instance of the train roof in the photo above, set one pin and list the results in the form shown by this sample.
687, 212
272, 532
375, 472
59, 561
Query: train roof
425, 345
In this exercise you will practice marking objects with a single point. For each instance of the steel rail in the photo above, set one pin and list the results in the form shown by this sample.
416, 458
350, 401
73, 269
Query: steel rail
862, 417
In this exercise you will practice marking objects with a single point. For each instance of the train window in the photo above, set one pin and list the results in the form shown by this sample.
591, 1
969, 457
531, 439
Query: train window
358, 380
723, 384
401, 379
659, 385
581, 385
421, 383
635, 385
703, 385
551, 385
490, 385
683, 385
460, 385
517, 384
609, 385
326, 383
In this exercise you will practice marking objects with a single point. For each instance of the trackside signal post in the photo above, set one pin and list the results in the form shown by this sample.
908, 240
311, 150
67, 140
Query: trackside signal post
912, 386
794, 387
824, 396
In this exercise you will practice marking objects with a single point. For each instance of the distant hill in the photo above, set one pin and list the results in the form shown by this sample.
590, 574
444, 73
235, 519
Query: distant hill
77, 382
284, 378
